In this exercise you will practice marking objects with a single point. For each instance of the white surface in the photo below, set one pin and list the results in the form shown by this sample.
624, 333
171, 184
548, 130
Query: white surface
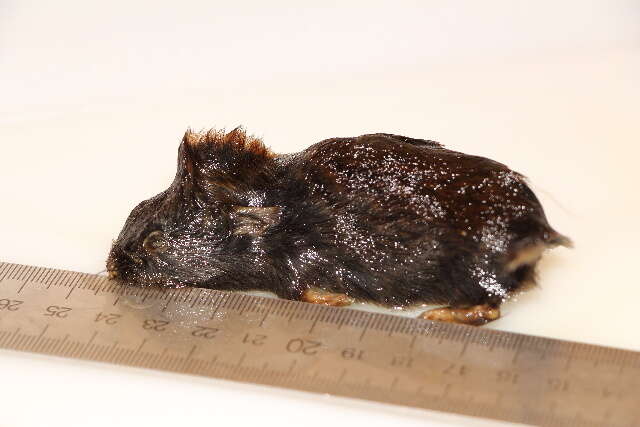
94, 99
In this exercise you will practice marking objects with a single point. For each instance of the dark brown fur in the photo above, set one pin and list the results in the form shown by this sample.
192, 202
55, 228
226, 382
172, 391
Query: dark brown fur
381, 218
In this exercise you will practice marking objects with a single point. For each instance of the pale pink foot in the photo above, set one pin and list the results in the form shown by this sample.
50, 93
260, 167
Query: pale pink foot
318, 296
475, 315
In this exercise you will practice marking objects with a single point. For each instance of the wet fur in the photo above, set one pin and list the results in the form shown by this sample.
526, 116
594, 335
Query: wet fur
382, 218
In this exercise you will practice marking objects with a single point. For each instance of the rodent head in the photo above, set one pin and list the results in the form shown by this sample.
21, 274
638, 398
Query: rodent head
184, 235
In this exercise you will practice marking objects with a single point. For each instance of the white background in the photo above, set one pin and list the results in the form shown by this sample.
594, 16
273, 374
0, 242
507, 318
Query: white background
94, 98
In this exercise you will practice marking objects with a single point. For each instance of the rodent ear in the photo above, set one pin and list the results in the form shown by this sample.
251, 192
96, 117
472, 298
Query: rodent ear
186, 157
225, 166
186, 178
254, 221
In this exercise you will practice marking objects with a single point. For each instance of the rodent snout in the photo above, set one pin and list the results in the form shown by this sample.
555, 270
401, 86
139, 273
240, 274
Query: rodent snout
118, 261
112, 268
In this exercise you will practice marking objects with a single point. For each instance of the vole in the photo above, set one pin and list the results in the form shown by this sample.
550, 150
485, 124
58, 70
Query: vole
379, 218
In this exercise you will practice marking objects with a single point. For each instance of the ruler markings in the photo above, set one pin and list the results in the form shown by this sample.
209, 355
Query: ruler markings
187, 295
30, 342
123, 355
208, 300
242, 303
62, 282
111, 351
86, 281
218, 302
200, 298
196, 298
193, 349
95, 352
4, 270
148, 360
340, 321
115, 354
330, 317
75, 349
59, 344
142, 295
453, 340
12, 337
47, 275
43, 345
44, 331
17, 341
99, 283
79, 278
281, 308
32, 273
72, 284
64, 348
22, 287
104, 351
18, 272
28, 273
111, 287
379, 324
167, 295
412, 343
43, 275
290, 313
54, 345
373, 323
142, 359
126, 354
144, 341
264, 318
232, 302
59, 282
102, 284
166, 305
52, 278
393, 324
313, 325
129, 357
155, 293
108, 286
90, 283
11, 271
174, 363
435, 331
455, 335
36, 276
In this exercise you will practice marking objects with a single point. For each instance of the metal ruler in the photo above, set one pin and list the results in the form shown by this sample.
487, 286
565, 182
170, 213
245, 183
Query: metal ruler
301, 346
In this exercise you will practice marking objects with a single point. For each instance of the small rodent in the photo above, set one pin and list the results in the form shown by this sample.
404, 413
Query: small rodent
378, 218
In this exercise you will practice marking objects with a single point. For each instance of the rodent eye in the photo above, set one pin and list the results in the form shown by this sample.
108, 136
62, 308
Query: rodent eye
154, 242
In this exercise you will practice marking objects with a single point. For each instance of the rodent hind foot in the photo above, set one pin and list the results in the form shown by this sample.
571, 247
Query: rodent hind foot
319, 296
474, 315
